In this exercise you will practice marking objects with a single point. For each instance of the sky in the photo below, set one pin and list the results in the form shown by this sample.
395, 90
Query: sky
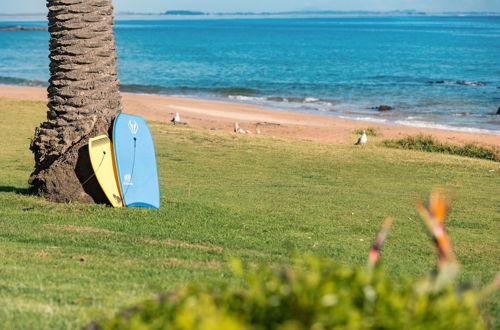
152, 6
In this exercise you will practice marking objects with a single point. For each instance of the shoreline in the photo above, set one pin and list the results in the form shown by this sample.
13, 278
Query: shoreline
221, 115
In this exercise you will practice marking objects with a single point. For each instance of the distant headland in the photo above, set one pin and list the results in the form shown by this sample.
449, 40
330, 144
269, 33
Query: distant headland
313, 13
306, 13
184, 13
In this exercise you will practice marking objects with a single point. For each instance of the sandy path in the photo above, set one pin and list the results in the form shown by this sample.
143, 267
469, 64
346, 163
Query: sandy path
223, 115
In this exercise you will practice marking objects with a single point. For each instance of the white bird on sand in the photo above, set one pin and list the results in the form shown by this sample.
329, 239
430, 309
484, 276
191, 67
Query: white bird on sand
238, 129
362, 139
176, 119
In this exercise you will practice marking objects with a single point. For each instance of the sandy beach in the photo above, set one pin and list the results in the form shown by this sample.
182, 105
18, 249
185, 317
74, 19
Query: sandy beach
218, 115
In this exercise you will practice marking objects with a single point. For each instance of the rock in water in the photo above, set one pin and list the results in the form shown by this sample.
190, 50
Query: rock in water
498, 111
384, 108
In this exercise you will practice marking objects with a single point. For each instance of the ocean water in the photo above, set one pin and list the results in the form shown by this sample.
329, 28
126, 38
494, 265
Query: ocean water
434, 71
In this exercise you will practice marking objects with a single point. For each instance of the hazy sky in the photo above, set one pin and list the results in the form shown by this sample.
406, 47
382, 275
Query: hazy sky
38, 6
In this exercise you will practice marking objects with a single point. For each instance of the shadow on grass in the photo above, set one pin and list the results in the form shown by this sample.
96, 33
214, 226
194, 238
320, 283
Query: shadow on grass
19, 191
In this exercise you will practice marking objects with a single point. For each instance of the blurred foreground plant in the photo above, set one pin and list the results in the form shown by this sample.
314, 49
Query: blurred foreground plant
317, 293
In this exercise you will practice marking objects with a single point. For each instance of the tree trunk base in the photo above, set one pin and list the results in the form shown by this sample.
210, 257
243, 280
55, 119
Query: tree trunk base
70, 178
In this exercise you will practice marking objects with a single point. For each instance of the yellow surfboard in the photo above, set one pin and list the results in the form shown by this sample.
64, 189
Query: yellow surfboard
103, 162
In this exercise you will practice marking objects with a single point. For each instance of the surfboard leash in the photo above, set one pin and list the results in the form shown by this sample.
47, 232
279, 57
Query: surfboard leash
94, 172
133, 168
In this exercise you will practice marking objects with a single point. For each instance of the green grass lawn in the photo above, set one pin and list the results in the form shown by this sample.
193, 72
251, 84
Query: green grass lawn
255, 197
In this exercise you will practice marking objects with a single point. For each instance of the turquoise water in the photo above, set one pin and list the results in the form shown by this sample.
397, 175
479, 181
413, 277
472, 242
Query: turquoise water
434, 71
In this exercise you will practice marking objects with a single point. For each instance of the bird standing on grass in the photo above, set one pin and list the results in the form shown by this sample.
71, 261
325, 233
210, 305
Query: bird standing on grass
362, 139
176, 119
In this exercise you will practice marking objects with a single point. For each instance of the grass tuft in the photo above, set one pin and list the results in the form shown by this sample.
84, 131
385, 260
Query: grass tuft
370, 131
429, 144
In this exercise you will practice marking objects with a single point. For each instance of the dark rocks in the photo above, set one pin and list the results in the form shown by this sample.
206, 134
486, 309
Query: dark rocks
437, 82
384, 108
470, 83
498, 111
458, 82
21, 28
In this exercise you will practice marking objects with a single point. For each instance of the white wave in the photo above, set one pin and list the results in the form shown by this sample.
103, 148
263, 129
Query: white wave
424, 124
245, 98
368, 119
326, 104
311, 100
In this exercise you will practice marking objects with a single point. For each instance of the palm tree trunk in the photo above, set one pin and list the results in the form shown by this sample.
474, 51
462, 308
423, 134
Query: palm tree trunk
83, 98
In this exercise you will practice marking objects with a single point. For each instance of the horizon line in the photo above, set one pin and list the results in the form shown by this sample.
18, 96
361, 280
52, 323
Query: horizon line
405, 12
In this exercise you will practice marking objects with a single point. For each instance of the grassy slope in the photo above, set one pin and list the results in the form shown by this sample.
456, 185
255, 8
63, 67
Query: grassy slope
255, 197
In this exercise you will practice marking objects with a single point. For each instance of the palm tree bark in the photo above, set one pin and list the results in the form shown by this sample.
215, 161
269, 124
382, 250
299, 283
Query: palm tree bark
83, 98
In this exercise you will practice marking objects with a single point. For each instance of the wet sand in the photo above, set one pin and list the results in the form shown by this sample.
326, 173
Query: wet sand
221, 115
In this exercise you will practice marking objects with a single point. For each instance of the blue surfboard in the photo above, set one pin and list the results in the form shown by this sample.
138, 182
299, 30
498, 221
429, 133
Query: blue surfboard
136, 162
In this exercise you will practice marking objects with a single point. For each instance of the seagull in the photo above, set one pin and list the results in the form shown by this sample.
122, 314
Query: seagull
176, 119
362, 139
238, 129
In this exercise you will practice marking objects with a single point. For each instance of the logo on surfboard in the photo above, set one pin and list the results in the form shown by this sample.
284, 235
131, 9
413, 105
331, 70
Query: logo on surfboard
127, 180
133, 126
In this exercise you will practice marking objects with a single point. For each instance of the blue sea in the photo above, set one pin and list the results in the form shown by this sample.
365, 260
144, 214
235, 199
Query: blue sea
439, 72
